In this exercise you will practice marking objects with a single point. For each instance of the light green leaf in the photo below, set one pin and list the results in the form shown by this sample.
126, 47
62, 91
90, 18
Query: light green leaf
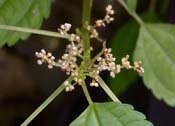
156, 49
124, 42
110, 114
24, 13
132, 4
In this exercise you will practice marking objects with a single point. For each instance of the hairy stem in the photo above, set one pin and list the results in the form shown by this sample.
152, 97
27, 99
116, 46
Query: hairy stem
45, 103
86, 15
133, 14
34, 31
86, 93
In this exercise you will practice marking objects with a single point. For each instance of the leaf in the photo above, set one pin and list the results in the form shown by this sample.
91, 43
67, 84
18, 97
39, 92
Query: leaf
23, 13
110, 114
1, 2
132, 4
156, 49
163, 7
124, 42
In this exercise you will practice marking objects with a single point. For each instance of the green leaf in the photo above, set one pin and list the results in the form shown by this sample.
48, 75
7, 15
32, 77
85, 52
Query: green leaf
110, 114
124, 42
24, 13
2, 2
163, 7
156, 49
132, 4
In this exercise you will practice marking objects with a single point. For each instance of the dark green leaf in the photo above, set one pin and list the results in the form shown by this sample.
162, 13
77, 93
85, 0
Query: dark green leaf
163, 7
110, 114
123, 43
24, 13
156, 48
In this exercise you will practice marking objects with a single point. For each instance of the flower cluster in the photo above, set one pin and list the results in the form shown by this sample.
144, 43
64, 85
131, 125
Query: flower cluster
107, 19
45, 58
137, 64
94, 33
102, 22
101, 62
94, 83
63, 30
107, 62
68, 62
137, 67
68, 86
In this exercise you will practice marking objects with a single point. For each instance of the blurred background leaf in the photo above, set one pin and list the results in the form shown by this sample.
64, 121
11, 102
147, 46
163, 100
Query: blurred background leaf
26, 13
162, 6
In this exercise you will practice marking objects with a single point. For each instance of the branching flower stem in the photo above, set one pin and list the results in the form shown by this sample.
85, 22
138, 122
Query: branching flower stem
87, 4
34, 31
86, 92
105, 87
86, 15
46, 103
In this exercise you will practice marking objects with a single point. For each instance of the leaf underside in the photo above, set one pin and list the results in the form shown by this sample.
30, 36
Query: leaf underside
23, 13
110, 114
156, 49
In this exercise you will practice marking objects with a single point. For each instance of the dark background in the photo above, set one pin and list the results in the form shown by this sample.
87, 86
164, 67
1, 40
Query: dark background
24, 85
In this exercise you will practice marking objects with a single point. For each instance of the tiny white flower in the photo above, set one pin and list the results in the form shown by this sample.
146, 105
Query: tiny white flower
67, 89
96, 84
39, 62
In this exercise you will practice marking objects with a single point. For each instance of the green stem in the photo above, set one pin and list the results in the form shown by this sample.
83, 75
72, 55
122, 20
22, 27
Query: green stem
86, 15
133, 14
86, 93
105, 88
34, 31
45, 103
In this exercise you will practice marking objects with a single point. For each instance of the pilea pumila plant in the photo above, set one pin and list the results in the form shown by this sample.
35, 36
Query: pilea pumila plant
79, 64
